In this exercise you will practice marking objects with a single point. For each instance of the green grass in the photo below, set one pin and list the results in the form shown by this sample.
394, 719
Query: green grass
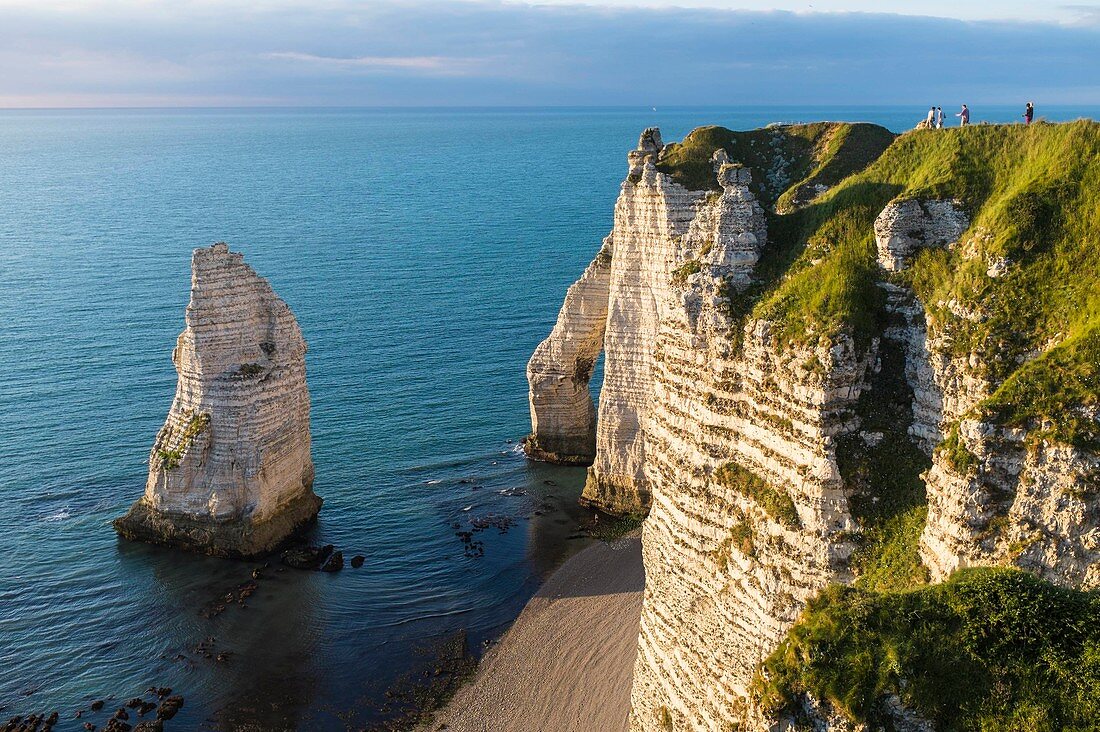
990, 649
612, 528
776, 503
955, 453
685, 270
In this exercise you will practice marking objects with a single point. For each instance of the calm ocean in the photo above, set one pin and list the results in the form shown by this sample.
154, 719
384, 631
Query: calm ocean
425, 254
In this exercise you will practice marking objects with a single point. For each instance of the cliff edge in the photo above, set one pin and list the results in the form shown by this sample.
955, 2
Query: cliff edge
230, 472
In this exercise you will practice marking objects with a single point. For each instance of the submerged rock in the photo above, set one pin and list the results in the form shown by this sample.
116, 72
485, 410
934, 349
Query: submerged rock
230, 472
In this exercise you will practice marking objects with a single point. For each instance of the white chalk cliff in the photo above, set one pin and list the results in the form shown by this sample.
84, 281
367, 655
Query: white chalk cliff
230, 472
730, 436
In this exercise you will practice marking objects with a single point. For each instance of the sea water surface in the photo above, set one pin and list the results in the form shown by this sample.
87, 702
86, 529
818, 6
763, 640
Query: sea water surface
425, 254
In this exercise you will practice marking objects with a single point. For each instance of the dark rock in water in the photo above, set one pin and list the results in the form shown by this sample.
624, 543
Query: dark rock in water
121, 713
163, 691
146, 707
52, 719
334, 563
169, 707
97, 705
357, 561
89, 726
150, 725
548, 482
256, 574
134, 703
307, 557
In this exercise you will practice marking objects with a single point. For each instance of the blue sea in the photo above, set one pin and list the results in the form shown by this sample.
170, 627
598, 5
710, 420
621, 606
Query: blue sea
425, 254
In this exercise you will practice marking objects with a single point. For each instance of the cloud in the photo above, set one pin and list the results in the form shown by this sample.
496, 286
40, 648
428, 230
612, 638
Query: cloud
1084, 14
436, 65
439, 52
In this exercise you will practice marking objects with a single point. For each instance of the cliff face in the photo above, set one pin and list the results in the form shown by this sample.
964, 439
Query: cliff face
230, 472
811, 387
748, 518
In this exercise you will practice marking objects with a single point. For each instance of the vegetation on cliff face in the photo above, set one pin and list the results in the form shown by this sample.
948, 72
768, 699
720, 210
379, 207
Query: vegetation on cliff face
990, 649
170, 456
882, 469
775, 502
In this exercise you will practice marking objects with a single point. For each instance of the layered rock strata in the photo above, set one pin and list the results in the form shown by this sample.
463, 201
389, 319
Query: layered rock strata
1001, 497
230, 472
749, 517
735, 438
563, 417
732, 438
907, 225
624, 282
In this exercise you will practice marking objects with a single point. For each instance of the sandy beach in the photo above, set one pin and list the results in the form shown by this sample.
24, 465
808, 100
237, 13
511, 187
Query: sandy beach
566, 663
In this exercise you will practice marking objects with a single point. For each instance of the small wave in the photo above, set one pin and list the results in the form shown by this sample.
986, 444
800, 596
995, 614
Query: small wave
434, 481
62, 515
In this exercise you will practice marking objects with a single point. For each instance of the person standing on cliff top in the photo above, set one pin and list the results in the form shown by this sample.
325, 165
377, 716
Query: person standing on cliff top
964, 116
931, 119
1029, 113
939, 118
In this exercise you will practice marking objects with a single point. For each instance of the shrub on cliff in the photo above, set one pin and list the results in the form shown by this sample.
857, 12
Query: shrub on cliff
990, 649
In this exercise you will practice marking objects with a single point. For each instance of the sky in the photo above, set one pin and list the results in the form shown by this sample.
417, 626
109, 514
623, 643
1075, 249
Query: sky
119, 53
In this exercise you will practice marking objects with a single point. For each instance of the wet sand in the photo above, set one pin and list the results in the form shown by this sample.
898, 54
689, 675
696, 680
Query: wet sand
566, 663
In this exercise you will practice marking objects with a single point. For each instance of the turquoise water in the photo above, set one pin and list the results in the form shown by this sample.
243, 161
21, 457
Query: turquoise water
425, 254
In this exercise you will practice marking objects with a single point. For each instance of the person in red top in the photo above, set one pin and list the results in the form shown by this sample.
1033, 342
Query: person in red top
1029, 113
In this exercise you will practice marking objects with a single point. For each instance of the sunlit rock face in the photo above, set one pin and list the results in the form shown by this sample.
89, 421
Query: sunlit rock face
693, 395
732, 437
996, 496
906, 226
736, 425
230, 472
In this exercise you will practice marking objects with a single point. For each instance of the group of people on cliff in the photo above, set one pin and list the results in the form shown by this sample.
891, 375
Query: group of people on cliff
934, 120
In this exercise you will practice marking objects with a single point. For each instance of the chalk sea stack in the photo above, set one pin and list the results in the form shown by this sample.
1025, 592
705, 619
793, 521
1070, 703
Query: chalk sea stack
230, 472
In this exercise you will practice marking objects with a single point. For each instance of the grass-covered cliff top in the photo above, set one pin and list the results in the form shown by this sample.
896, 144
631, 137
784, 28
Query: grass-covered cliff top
1033, 197
788, 161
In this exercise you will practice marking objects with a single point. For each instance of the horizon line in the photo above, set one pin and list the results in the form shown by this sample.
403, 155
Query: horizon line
425, 107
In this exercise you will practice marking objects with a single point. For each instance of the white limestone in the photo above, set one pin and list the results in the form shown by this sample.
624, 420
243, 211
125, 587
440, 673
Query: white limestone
230, 472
